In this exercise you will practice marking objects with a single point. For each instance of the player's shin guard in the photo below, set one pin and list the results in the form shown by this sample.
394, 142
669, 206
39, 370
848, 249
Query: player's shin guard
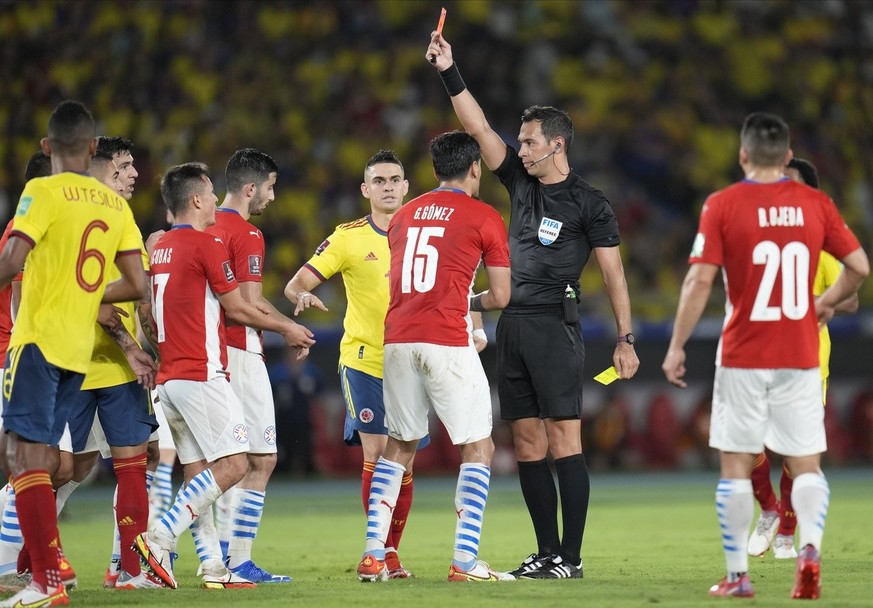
132, 507
735, 507
810, 497
471, 496
383, 498
245, 513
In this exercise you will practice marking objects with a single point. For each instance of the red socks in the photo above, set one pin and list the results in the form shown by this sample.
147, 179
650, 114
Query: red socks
787, 516
401, 510
131, 507
762, 486
37, 517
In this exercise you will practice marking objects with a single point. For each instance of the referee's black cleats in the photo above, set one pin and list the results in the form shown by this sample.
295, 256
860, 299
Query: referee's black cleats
531, 563
548, 567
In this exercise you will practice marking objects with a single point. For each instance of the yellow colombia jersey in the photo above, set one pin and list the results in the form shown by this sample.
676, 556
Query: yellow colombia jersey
76, 226
359, 250
109, 365
826, 275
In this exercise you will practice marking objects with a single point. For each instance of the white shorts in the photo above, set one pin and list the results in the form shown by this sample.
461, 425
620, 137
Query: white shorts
777, 408
65, 444
206, 419
163, 435
450, 378
96, 440
250, 382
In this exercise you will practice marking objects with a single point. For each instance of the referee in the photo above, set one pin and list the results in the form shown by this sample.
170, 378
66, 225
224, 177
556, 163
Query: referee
557, 221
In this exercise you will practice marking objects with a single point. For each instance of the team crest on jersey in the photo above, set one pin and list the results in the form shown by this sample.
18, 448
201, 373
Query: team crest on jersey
241, 433
366, 415
322, 247
228, 272
697, 247
255, 265
549, 230
270, 435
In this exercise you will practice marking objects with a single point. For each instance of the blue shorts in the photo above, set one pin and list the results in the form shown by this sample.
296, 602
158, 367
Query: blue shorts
37, 396
125, 415
365, 409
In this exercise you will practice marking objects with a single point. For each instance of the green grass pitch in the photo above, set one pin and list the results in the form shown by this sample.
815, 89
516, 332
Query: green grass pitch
651, 539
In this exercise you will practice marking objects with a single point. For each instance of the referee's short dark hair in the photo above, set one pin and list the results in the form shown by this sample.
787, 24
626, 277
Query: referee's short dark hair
806, 170
452, 154
182, 182
71, 128
553, 122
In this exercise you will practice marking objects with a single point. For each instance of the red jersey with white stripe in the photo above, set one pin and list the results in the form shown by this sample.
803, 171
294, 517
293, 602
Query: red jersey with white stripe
189, 270
437, 241
245, 247
767, 239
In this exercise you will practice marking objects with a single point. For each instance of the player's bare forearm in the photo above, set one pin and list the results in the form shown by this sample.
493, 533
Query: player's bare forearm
144, 312
120, 336
299, 291
692, 301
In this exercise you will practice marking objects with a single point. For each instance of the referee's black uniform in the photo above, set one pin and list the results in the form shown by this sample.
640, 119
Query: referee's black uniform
552, 230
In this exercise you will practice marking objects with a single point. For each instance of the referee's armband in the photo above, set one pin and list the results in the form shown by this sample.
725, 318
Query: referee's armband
452, 80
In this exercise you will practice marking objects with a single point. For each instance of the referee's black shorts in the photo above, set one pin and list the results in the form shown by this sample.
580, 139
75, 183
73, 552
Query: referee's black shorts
539, 366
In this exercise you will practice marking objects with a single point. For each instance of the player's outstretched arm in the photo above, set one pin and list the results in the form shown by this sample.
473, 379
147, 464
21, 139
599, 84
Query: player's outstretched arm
132, 285
244, 313
140, 362
466, 107
299, 291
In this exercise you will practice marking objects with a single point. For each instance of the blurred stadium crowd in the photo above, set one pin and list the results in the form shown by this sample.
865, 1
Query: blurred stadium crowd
656, 90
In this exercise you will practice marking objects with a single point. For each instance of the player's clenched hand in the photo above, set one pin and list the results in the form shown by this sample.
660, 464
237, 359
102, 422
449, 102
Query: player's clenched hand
109, 316
674, 367
298, 336
307, 300
625, 360
824, 312
441, 50
142, 364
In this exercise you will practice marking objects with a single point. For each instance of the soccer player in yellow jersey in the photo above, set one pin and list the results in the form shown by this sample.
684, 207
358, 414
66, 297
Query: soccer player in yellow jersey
68, 227
359, 251
777, 517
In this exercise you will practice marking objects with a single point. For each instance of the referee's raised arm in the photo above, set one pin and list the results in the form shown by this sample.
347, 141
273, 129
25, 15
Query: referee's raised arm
439, 55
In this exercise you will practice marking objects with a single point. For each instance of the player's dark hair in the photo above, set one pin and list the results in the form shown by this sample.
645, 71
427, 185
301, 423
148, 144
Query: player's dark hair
382, 156
765, 139
111, 146
452, 154
38, 165
806, 170
182, 182
71, 128
553, 122
248, 166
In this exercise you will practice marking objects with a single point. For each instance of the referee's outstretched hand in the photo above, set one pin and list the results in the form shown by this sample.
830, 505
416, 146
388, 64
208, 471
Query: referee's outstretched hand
439, 52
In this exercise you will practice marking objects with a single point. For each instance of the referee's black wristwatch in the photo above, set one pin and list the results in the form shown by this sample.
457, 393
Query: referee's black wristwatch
629, 338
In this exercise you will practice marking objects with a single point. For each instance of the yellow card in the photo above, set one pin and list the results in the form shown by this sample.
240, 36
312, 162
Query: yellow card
607, 376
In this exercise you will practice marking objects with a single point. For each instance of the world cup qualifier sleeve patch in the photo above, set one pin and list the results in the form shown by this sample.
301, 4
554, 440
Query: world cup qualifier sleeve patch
324, 245
255, 265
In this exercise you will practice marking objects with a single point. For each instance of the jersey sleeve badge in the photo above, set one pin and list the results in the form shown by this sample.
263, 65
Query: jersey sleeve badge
255, 265
324, 245
228, 271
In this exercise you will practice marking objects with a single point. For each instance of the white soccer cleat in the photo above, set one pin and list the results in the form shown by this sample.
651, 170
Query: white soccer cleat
479, 573
143, 580
225, 580
31, 596
783, 547
765, 530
